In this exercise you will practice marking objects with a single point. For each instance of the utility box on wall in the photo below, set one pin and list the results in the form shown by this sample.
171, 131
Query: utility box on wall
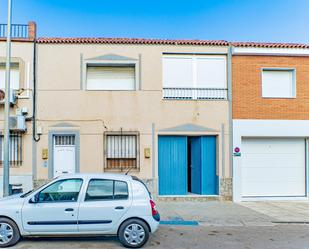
44, 154
147, 152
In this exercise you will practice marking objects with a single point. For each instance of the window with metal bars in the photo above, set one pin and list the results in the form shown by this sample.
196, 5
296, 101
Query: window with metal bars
121, 151
15, 149
64, 140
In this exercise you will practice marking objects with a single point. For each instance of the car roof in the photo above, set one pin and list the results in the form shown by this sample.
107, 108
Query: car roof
113, 176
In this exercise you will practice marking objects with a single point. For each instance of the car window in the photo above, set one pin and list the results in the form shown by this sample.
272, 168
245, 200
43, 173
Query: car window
61, 191
140, 181
121, 190
100, 189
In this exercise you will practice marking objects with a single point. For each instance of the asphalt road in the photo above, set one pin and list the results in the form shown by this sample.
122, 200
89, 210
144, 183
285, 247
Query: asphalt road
206, 237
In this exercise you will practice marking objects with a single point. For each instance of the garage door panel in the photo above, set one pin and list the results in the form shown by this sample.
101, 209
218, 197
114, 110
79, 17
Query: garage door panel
272, 173
273, 167
273, 145
263, 191
265, 160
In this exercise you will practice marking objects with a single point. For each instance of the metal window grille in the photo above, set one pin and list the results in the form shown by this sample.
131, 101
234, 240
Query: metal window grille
64, 140
121, 152
15, 149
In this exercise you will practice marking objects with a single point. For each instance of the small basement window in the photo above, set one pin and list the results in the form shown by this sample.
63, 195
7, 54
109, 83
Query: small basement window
121, 151
278, 83
110, 77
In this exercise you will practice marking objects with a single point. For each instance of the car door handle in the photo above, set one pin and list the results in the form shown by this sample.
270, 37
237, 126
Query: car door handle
119, 208
69, 210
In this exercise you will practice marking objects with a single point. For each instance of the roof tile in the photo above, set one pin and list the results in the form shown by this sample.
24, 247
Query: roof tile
85, 40
269, 45
130, 41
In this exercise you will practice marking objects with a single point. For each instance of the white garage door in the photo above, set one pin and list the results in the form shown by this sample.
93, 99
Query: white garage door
273, 167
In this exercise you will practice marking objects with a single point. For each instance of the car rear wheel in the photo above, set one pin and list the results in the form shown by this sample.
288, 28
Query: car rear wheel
133, 233
9, 233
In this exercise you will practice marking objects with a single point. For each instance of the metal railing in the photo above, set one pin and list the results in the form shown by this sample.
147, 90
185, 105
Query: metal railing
18, 31
195, 93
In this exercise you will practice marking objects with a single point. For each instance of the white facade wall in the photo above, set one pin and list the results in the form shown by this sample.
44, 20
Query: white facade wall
265, 128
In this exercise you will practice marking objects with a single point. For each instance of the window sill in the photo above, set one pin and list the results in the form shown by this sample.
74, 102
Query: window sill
12, 166
112, 90
188, 99
279, 97
122, 171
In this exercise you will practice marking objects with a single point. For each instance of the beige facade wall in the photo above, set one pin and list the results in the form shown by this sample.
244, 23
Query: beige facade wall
22, 52
64, 105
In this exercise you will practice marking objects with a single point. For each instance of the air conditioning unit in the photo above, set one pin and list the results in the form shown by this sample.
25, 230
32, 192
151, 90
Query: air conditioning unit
13, 97
18, 123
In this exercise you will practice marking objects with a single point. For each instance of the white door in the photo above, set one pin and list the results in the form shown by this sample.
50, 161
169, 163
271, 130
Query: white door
273, 167
55, 210
104, 204
64, 154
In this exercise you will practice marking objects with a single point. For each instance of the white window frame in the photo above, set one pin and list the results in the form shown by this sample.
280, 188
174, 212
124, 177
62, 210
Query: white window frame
111, 63
14, 66
194, 58
284, 69
194, 82
24, 75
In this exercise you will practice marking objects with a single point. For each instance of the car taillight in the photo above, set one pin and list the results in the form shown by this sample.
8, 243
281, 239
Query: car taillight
154, 210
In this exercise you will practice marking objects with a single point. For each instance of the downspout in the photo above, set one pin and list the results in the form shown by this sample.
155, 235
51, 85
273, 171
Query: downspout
230, 90
33, 119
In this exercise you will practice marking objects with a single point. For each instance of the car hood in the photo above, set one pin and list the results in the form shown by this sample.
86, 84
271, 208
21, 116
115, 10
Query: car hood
11, 199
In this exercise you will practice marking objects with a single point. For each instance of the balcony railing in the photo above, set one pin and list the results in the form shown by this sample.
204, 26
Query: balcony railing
195, 93
17, 31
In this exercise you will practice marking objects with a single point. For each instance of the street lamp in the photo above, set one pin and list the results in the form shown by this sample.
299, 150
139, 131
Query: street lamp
6, 159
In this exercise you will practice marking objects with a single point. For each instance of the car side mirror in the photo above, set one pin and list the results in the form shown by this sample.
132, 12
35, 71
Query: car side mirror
34, 199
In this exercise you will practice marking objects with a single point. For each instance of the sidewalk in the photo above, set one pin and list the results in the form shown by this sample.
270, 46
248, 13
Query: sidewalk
282, 211
211, 213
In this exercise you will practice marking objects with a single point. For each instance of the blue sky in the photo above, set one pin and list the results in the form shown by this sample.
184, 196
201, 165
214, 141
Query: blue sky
233, 20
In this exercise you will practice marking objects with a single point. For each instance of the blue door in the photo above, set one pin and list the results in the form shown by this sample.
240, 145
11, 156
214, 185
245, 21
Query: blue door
195, 165
173, 165
209, 185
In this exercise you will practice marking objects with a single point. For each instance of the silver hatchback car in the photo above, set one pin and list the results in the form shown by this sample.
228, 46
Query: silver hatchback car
82, 204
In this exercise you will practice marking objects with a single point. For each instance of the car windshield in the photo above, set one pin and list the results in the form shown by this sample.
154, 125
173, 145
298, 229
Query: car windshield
31, 191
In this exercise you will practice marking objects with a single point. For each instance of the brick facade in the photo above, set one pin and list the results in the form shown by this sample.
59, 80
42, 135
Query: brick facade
31, 30
247, 88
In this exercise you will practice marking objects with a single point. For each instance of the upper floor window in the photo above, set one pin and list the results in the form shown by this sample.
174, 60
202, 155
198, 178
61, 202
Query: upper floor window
194, 77
121, 151
278, 83
110, 77
14, 76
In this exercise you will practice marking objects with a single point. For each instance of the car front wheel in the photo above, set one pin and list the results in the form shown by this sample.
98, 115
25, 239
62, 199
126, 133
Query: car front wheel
9, 233
133, 233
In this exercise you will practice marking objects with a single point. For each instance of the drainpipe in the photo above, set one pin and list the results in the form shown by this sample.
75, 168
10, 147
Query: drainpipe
32, 36
36, 137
